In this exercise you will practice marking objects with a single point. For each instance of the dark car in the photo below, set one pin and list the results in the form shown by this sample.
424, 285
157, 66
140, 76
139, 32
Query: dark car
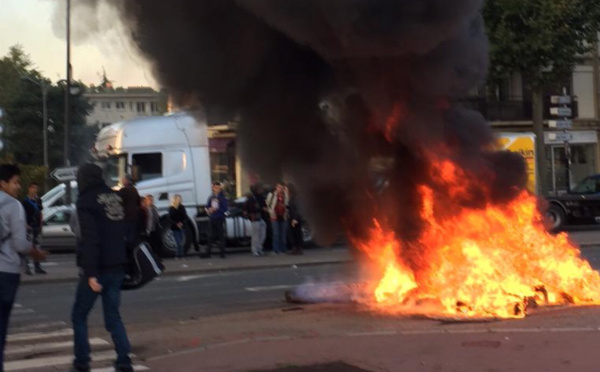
581, 205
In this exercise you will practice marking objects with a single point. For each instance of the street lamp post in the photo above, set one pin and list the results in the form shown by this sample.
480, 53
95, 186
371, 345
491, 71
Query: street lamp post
44, 86
67, 128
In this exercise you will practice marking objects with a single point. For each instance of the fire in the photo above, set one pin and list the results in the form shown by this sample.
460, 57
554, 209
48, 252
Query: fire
488, 262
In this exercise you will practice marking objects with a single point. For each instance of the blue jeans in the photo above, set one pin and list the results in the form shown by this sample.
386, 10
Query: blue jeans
178, 236
111, 300
279, 236
8, 291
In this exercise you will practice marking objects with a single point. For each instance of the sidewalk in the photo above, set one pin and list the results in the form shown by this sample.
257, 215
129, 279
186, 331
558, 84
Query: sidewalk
63, 269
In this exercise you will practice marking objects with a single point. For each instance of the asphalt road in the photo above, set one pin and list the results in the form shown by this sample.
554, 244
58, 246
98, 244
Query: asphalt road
193, 296
186, 297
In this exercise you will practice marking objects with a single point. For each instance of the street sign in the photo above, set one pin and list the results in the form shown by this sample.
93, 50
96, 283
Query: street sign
561, 124
64, 174
560, 100
561, 111
560, 136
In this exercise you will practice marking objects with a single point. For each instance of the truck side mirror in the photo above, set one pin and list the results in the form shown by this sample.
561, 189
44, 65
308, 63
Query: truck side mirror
135, 173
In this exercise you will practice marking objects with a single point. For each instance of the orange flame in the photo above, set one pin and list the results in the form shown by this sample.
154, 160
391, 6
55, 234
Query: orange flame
488, 262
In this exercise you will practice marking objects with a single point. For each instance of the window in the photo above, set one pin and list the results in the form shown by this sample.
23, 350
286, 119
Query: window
59, 218
106, 105
147, 166
120, 105
141, 107
154, 106
131, 106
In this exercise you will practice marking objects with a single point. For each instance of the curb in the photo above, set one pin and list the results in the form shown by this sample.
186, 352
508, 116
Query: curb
73, 279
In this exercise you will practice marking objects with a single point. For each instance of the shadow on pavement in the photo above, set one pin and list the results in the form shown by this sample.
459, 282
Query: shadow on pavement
329, 367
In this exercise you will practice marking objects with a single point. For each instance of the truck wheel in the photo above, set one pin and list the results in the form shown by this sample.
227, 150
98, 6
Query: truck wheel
556, 217
169, 247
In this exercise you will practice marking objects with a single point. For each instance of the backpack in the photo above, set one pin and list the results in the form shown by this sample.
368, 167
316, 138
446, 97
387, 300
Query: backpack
143, 267
5, 232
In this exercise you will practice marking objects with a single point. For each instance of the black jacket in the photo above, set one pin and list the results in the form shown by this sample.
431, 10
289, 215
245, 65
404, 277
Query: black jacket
131, 202
33, 211
177, 215
102, 223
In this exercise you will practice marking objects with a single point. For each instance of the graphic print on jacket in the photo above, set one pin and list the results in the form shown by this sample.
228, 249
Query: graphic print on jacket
113, 206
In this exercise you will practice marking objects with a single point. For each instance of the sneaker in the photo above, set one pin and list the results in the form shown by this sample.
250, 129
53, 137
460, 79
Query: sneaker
39, 270
28, 271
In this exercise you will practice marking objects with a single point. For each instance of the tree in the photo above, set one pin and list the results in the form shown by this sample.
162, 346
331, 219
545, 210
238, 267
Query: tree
543, 40
22, 101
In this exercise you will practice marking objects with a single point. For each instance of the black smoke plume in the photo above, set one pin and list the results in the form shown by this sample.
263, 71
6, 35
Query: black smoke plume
349, 99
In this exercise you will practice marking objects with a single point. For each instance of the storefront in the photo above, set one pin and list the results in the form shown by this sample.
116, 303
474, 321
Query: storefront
584, 159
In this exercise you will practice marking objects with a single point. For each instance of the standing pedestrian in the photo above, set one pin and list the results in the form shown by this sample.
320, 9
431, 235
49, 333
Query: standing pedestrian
33, 211
131, 204
277, 202
153, 225
13, 241
254, 212
216, 207
296, 239
102, 260
178, 216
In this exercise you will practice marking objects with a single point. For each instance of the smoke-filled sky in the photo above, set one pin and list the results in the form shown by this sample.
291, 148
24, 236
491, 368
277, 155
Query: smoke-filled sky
326, 90
32, 23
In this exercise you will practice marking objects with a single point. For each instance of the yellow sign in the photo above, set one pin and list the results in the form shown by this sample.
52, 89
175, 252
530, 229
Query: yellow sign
523, 144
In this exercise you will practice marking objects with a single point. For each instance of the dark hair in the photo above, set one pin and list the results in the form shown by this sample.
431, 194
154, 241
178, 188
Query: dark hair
8, 171
216, 183
33, 184
280, 182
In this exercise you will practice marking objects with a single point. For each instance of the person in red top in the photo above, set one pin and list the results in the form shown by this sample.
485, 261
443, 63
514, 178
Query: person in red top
277, 203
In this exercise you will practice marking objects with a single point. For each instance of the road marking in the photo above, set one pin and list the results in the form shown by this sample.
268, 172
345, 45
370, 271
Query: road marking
39, 335
112, 369
19, 365
24, 329
50, 346
22, 311
269, 288
187, 278
17, 306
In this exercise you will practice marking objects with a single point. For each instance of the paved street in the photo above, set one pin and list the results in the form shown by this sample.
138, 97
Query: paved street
216, 307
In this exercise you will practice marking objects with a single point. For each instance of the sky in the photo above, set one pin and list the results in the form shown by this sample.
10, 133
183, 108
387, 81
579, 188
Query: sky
30, 23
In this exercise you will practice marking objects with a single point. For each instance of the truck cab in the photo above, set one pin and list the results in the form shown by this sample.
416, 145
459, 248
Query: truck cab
581, 205
166, 155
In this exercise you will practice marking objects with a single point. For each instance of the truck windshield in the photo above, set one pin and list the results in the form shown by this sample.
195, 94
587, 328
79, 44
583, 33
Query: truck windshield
114, 169
590, 185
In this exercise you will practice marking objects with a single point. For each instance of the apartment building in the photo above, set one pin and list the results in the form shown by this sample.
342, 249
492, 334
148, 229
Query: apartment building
114, 105
510, 110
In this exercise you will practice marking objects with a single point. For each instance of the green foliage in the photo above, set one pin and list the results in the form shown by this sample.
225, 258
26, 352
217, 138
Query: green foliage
22, 101
541, 39
29, 173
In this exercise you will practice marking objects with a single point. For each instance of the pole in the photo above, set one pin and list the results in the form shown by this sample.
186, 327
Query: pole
45, 116
67, 128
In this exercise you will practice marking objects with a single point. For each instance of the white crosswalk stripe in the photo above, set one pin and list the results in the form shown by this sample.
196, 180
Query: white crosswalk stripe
36, 343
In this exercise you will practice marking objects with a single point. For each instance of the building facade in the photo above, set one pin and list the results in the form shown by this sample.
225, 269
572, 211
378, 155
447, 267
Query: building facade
511, 111
114, 105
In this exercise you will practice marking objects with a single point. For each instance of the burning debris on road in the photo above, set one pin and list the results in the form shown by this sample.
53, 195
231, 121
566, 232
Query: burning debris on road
335, 94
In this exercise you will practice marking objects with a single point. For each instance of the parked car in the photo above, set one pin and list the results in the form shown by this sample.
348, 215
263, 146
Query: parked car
581, 205
56, 233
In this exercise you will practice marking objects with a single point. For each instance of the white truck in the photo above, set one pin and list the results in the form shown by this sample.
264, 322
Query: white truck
166, 155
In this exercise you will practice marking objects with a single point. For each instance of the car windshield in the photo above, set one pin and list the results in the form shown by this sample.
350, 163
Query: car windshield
587, 186
52, 193
114, 169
